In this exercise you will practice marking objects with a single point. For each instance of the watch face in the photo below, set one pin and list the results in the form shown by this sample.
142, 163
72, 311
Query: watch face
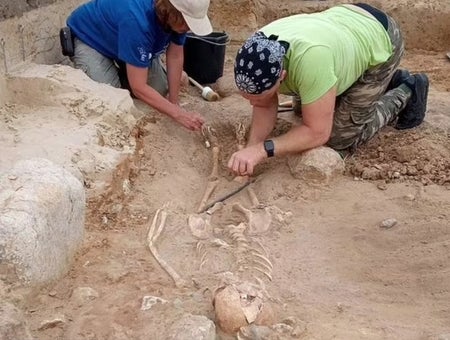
269, 147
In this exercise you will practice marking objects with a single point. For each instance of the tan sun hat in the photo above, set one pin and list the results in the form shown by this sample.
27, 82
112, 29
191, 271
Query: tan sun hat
195, 12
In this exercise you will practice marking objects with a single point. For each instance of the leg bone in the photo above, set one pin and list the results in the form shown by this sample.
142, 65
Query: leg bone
152, 236
215, 168
213, 178
208, 192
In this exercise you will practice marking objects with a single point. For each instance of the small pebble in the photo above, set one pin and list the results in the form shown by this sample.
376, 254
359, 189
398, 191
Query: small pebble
410, 197
388, 223
382, 186
149, 301
56, 322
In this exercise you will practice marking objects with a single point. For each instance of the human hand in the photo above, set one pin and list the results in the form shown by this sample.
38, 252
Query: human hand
190, 120
243, 162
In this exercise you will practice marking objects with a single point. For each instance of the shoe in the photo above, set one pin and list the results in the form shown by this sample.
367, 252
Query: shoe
400, 76
414, 112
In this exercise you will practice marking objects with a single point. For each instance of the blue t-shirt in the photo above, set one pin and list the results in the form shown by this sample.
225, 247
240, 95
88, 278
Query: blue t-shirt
126, 30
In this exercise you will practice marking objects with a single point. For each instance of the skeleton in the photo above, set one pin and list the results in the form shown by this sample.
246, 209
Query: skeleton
258, 217
153, 234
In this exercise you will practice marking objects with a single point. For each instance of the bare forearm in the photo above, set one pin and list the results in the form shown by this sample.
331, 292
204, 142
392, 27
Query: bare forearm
315, 130
299, 139
152, 98
138, 82
175, 60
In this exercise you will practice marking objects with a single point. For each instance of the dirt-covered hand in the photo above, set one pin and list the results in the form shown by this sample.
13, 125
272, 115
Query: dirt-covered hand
243, 162
190, 120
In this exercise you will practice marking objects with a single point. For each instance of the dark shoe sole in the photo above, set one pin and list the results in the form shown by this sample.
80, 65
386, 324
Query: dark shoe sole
418, 117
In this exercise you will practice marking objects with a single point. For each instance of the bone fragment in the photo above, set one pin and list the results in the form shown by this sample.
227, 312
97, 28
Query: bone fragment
208, 192
259, 220
199, 227
262, 257
240, 135
213, 179
152, 236
253, 198
220, 243
263, 265
216, 207
251, 193
215, 168
209, 135
269, 276
203, 260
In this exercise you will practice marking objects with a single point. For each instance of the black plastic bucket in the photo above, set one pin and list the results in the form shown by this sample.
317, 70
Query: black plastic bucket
204, 56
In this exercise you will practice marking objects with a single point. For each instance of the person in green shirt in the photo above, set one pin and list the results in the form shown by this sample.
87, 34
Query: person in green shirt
342, 65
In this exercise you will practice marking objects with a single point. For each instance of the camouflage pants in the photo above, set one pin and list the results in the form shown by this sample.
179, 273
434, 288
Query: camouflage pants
366, 107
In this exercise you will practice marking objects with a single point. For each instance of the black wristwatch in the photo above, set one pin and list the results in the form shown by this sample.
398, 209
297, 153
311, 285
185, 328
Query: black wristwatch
269, 147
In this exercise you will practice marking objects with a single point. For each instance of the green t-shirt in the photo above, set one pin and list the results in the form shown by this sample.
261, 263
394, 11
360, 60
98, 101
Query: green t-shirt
333, 47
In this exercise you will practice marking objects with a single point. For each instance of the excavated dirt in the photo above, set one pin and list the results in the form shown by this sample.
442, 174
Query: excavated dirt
335, 274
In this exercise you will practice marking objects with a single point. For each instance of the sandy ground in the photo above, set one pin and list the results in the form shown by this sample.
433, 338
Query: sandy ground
336, 273
335, 270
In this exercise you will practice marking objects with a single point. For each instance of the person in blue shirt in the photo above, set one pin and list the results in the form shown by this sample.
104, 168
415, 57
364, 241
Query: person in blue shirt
119, 42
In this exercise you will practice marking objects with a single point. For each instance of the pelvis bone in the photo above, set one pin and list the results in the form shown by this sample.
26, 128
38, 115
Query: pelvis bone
259, 219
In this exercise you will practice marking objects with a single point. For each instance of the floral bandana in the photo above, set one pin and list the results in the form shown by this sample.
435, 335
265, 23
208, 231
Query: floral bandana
259, 63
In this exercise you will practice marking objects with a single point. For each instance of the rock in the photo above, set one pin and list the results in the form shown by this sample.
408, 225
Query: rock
388, 223
57, 321
225, 85
298, 326
12, 323
252, 332
83, 295
193, 327
299, 330
382, 186
282, 328
41, 220
149, 301
371, 174
317, 165
410, 197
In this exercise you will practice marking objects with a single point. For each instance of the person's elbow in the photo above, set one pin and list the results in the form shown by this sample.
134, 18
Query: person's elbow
321, 136
320, 130
138, 90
